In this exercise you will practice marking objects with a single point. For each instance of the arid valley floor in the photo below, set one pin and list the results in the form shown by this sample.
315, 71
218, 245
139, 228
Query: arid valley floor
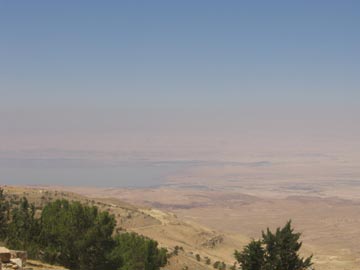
330, 224
213, 208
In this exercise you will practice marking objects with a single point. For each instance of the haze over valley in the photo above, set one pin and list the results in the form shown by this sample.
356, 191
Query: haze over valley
182, 129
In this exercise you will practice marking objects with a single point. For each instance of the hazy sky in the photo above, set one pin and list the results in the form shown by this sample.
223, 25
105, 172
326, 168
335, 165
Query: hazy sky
183, 75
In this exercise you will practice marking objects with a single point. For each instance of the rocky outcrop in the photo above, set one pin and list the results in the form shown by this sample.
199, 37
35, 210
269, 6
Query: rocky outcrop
5, 255
12, 259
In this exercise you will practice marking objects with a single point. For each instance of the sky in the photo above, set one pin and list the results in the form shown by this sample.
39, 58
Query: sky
178, 79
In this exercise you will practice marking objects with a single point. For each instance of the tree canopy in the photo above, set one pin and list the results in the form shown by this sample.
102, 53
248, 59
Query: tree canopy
4, 214
137, 253
77, 236
275, 251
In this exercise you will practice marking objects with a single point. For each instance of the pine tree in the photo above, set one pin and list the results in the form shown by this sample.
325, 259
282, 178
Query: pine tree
252, 257
4, 214
23, 229
275, 251
282, 249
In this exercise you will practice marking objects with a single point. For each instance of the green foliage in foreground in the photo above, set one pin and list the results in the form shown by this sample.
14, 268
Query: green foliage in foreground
23, 229
78, 237
4, 214
275, 251
75, 235
137, 253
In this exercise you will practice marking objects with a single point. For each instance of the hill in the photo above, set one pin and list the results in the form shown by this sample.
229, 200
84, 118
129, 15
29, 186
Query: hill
195, 246
330, 225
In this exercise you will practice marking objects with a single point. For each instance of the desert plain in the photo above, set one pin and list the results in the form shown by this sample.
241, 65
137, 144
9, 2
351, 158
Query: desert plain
235, 201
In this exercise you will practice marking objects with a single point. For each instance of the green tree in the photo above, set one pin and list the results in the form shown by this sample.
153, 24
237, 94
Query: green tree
135, 252
4, 214
276, 251
76, 236
252, 257
23, 229
79, 237
282, 249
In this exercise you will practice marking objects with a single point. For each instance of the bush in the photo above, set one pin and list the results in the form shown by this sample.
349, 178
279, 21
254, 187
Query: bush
216, 264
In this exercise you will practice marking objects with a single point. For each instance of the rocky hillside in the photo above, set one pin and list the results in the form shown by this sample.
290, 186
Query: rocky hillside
192, 246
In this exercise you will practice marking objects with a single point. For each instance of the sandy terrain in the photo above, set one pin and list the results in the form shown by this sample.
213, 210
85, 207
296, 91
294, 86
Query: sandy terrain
214, 220
330, 225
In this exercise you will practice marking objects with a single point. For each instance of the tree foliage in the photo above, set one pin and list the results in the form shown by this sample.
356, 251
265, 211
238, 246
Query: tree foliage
23, 229
4, 214
252, 257
275, 251
137, 252
77, 236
